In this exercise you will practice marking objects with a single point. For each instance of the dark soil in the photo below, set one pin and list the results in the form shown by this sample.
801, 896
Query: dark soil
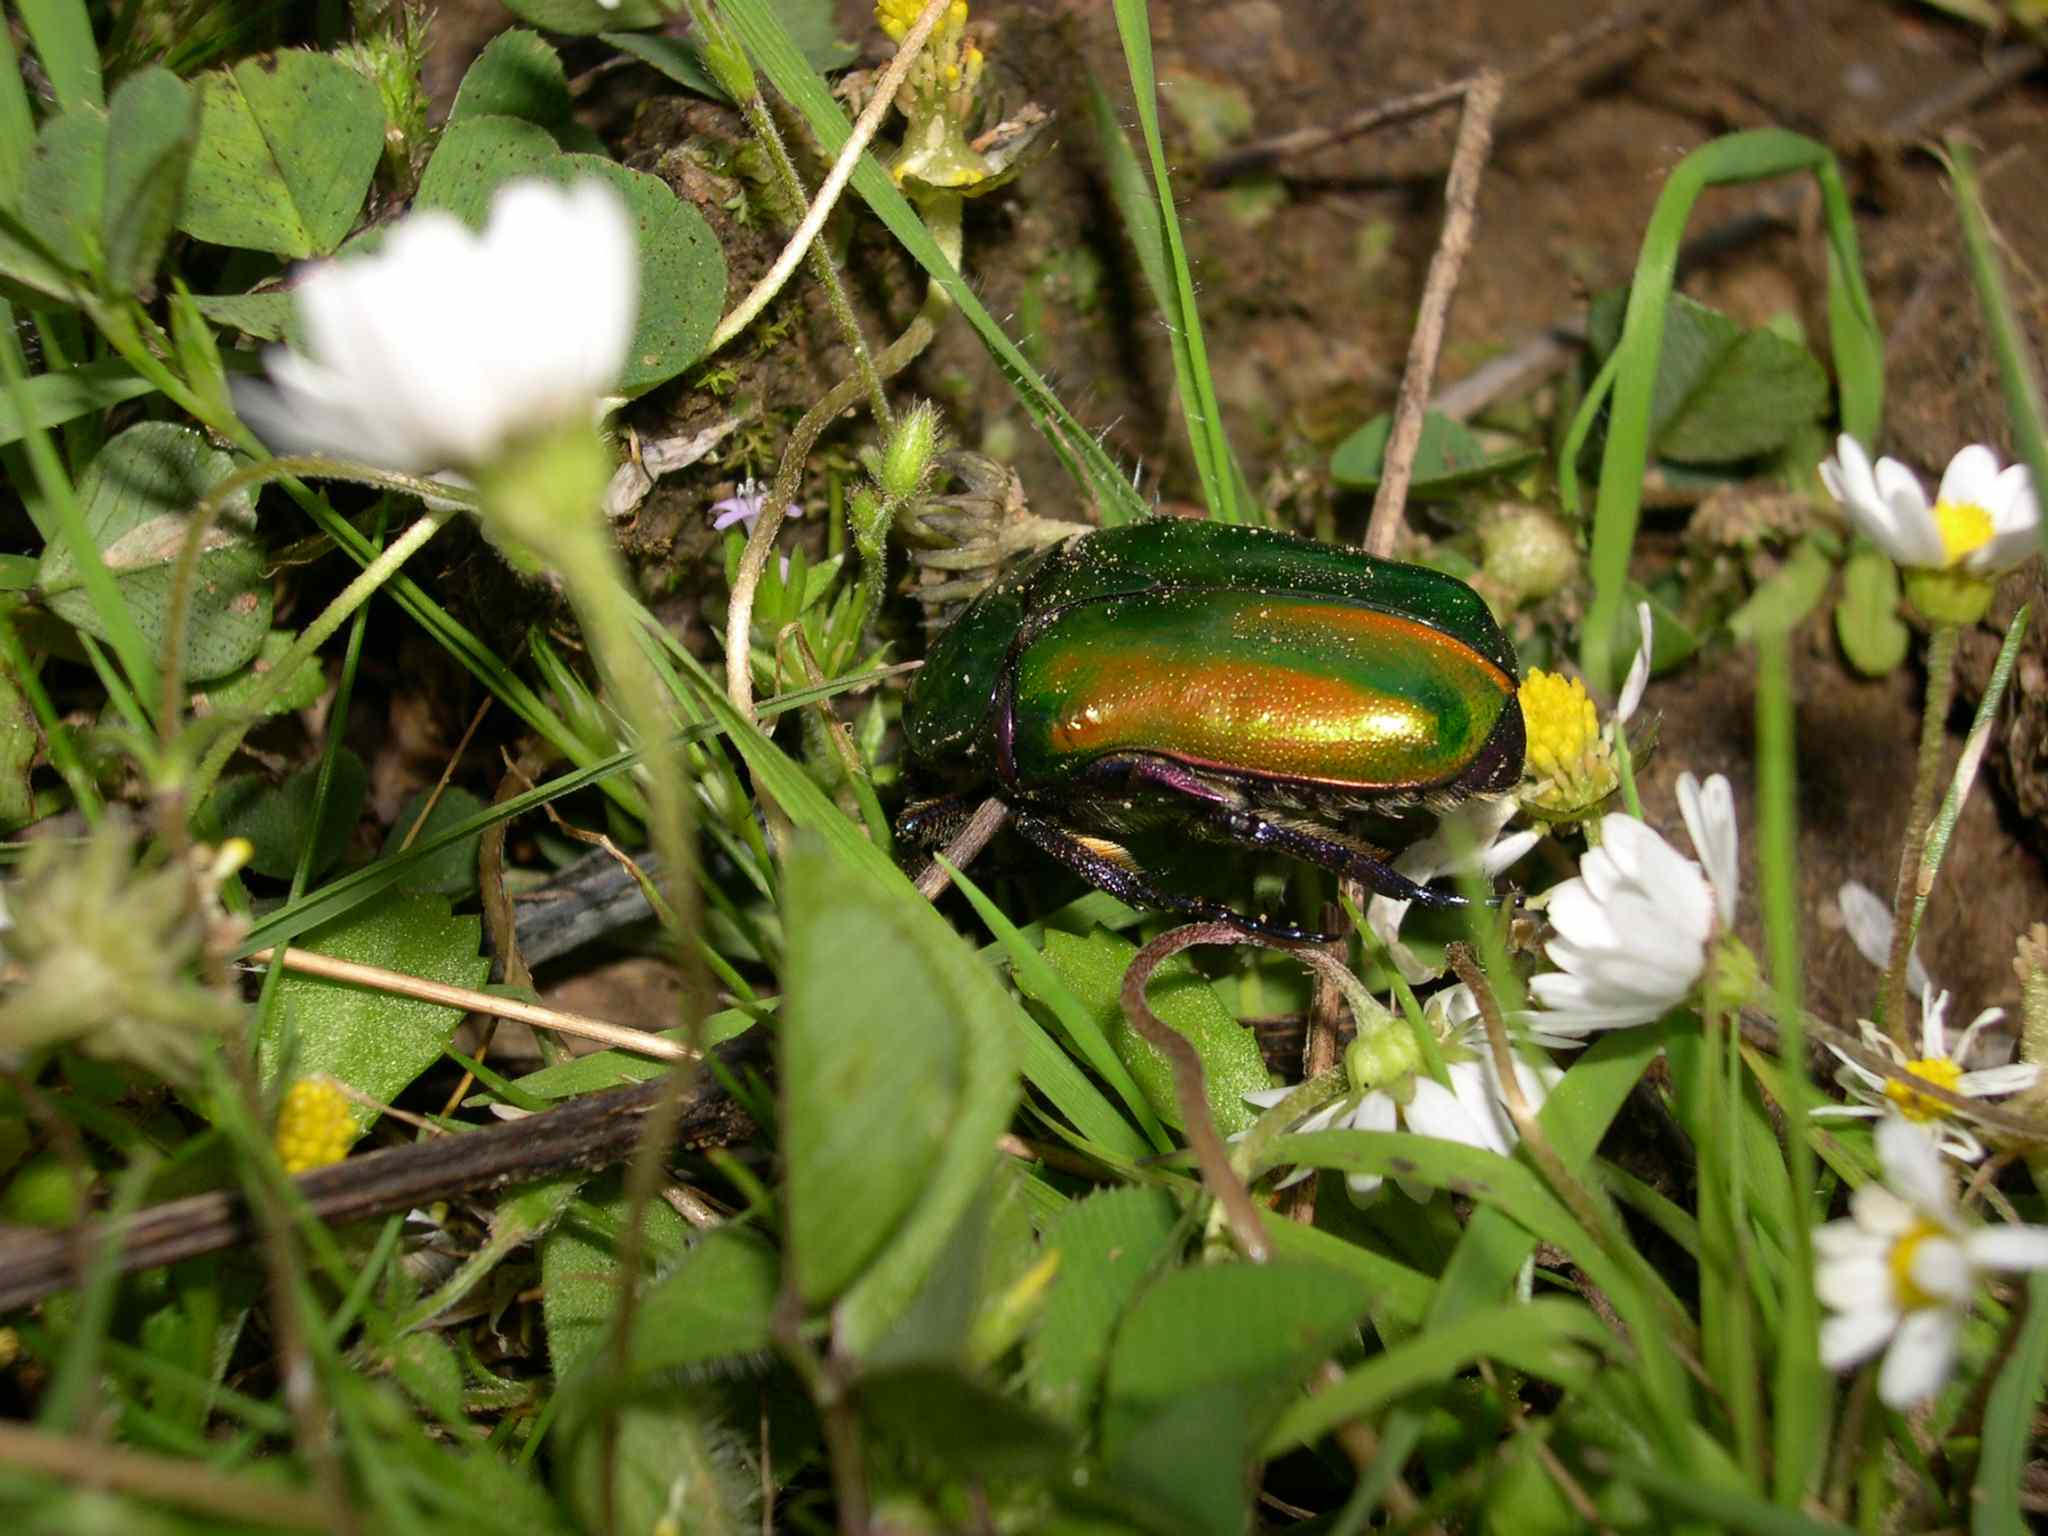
1310, 277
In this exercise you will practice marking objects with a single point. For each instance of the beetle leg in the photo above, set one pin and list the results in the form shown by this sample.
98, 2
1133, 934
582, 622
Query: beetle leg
930, 822
1314, 845
1110, 866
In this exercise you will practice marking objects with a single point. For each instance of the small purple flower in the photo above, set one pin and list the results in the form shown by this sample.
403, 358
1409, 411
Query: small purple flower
741, 507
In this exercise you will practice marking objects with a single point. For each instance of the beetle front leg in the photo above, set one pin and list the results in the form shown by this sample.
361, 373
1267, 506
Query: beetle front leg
1109, 866
1314, 845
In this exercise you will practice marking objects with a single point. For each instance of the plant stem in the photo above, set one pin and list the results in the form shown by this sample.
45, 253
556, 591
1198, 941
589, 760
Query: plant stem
1941, 690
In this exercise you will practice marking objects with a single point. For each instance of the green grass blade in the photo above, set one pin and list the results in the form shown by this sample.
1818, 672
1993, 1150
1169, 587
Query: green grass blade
2009, 1422
2017, 370
762, 31
1155, 228
62, 33
17, 123
1858, 351
1724, 1508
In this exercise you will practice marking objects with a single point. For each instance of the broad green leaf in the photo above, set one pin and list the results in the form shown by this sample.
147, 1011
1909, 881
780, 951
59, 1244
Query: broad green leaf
30, 273
1558, 1340
136, 498
288, 143
719, 1302
279, 819
963, 1424
450, 870
1867, 621
682, 271
1722, 393
17, 124
64, 197
152, 124
678, 1467
262, 315
1107, 1246
675, 57
517, 75
611, 1069
1400, 1295
1449, 457
230, 695
579, 1269
80, 390
373, 1041
1093, 969
1204, 1362
424, 1364
61, 31
582, 18
478, 155
873, 1068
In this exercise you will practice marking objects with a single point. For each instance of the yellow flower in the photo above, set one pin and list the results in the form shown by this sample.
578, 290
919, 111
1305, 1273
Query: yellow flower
314, 1126
1569, 763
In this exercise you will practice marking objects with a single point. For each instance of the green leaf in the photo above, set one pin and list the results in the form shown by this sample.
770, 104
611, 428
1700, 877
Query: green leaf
682, 271
288, 143
1782, 603
1867, 621
583, 18
451, 870
1448, 458
2008, 1422
152, 125
230, 695
30, 273
610, 1069
279, 819
478, 155
1558, 1340
517, 75
678, 1468
262, 315
17, 124
1107, 1246
21, 742
136, 498
374, 1042
872, 1070
63, 199
1093, 969
719, 1302
579, 1270
967, 1427
80, 390
676, 57
62, 33
1204, 1362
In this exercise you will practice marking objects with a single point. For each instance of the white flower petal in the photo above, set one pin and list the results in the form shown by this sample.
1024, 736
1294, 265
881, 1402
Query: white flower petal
1971, 478
1374, 1112
1940, 1267
1868, 921
1922, 1354
1853, 1337
2008, 1247
1912, 1167
1916, 539
1709, 812
1852, 1283
1992, 1082
1638, 670
1879, 1211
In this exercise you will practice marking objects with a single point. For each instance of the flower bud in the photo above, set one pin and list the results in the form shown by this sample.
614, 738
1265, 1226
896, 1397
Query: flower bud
1529, 552
908, 459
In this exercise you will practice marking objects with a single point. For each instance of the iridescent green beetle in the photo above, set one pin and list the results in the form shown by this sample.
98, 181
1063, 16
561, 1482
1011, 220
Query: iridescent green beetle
1238, 682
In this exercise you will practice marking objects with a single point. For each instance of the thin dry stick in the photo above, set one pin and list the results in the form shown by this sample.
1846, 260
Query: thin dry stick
375, 977
987, 820
1941, 692
835, 181
1319, 1044
170, 1480
1190, 1088
1461, 197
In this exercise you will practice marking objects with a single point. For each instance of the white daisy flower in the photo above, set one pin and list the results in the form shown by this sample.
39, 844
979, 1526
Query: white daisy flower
1633, 928
1984, 520
1899, 1273
1937, 1063
1468, 837
1472, 1111
446, 346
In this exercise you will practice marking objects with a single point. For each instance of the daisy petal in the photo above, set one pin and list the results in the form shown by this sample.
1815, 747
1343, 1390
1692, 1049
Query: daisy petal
1922, 1354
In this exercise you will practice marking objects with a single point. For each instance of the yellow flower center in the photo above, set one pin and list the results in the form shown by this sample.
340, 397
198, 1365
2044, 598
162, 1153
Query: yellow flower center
897, 17
1559, 719
1965, 528
1904, 1286
314, 1126
1914, 1105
